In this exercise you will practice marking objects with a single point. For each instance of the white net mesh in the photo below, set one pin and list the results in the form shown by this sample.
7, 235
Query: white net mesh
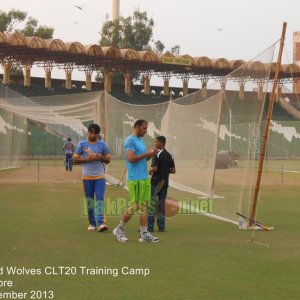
213, 133
282, 153
83, 107
239, 143
39, 126
12, 138
191, 131
216, 127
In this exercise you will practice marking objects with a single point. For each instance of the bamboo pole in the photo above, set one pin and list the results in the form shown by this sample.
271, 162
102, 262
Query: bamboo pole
267, 129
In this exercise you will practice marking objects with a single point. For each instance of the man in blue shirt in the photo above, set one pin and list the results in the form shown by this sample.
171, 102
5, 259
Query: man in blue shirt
93, 155
138, 183
68, 152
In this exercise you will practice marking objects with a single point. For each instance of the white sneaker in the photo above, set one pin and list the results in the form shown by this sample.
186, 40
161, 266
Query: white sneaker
102, 227
91, 227
147, 237
120, 234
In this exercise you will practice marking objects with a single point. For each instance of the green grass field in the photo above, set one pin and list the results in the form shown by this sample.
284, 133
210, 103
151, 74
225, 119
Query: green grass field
198, 257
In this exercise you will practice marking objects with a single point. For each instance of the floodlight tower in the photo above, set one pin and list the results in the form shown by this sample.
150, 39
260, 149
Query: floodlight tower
115, 15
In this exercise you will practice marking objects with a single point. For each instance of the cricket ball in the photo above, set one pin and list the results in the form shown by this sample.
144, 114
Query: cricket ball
171, 207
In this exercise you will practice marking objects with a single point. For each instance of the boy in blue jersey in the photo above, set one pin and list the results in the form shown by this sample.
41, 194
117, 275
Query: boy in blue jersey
93, 155
138, 183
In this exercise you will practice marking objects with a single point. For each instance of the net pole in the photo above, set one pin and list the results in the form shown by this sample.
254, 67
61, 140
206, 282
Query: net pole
105, 116
222, 97
267, 129
97, 109
230, 128
12, 141
27, 142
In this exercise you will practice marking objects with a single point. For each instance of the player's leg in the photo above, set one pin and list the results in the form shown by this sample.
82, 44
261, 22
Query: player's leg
99, 208
144, 195
89, 190
152, 210
133, 196
161, 219
66, 161
119, 231
70, 162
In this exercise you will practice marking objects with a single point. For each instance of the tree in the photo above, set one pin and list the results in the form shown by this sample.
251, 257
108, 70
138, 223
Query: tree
10, 20
111, 34
159, 47
134, 32
32, 29
175, 50
131, 32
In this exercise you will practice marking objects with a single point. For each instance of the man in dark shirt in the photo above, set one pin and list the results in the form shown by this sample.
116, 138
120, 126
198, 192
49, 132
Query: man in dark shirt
162, 165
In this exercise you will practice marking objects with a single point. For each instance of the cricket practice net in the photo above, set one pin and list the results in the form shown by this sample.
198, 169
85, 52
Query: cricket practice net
213, 133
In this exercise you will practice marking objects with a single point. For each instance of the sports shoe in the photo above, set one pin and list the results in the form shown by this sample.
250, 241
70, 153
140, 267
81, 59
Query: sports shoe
102, 227
120, 234
147, 237
149, 230
91, 227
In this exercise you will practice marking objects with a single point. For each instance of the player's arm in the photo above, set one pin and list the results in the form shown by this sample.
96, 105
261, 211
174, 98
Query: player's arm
77, 159
105, 158
130, 149
172, 167
154, 165
153, 170
135, 158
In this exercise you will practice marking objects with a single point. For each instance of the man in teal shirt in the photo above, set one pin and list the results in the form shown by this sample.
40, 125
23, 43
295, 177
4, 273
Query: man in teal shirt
138, 183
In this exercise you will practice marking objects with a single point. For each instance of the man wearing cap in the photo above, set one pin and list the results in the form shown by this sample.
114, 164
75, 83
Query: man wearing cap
93, 154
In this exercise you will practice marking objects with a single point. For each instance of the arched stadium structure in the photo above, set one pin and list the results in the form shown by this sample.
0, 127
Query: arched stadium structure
226, 115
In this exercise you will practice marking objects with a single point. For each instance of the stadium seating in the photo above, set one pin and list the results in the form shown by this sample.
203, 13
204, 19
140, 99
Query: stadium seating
37, 90
51, 145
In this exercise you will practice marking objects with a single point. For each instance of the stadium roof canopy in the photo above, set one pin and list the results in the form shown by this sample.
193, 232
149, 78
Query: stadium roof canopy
17, 48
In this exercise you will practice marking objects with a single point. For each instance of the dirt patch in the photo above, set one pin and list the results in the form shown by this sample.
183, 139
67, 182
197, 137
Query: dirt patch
269, 178
42, 174
59, 174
